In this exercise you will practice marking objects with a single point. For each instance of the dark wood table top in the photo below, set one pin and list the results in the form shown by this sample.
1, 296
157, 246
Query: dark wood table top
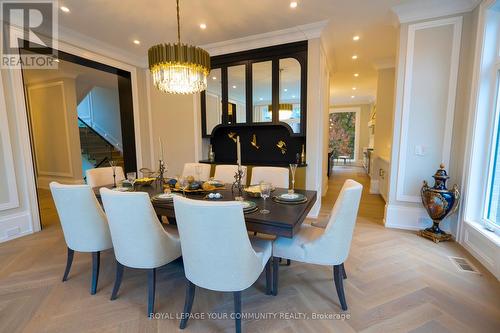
283, 220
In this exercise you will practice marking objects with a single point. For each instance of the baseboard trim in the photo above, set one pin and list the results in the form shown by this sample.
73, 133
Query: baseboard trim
20, 221
406, 217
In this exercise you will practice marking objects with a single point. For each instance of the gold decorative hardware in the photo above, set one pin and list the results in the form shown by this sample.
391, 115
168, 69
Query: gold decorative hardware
303, 156
254, 141
232, 136
282, 146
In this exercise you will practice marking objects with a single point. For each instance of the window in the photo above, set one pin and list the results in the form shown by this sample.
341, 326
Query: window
492, 212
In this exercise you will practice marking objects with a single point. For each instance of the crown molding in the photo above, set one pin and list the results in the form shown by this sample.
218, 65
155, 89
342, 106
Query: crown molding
94, 45
427, 9
289, 35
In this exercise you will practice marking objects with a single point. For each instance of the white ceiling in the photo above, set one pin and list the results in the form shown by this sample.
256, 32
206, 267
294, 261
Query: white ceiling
116, 23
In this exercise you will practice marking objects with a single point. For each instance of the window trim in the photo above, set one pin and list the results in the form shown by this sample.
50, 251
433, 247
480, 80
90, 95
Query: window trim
493, 151
480, 132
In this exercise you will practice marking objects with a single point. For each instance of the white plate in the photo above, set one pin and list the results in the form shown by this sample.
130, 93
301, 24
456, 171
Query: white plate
121, 189
289, 196
166, 196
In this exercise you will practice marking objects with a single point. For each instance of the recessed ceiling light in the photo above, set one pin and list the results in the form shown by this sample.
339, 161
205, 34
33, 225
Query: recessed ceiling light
203, 26
355, 38
293, 4
356, 74
353, 88
137, 42
65, 9
234, 87
261, 99
285, 90
354, 57
214, 77
353, 96
293, 96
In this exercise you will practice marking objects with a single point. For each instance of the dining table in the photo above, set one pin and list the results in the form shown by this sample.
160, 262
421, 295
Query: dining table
283, 219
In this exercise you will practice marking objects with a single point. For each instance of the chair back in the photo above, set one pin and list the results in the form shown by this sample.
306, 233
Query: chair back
335, 243
103, 176
83, 222
138, 238
216, 250
190, 170
225, 173
274, 175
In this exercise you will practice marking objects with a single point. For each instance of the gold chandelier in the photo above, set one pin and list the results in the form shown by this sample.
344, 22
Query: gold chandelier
284, 110
179, 68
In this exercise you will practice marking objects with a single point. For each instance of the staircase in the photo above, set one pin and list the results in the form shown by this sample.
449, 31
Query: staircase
96, 149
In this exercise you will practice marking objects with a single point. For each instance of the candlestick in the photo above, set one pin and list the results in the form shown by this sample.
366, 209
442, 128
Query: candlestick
238, 151
161, 148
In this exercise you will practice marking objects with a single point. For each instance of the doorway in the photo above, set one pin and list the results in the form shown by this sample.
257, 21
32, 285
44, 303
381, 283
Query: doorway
344, 126
80, 116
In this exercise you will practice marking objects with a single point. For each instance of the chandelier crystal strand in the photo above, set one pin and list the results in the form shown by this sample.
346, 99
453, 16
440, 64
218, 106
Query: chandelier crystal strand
179, 68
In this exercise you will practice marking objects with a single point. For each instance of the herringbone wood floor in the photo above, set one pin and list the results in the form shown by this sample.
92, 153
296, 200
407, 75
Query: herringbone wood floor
397, 282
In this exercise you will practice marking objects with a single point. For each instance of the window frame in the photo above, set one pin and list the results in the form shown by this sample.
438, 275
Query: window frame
493, 151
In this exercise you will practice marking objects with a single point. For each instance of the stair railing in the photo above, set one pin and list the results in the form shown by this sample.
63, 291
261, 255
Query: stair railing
85, 142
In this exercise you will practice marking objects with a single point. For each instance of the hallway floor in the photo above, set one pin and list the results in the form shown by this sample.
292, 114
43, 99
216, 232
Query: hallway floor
397, 282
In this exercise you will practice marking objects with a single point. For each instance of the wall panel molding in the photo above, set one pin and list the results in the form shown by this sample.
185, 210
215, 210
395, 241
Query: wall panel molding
456, 23
6, 158
60, 85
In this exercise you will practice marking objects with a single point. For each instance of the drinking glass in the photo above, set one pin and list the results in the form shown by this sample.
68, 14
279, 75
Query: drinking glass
183, 184
293, 168
131, 177
197, 170
265, 192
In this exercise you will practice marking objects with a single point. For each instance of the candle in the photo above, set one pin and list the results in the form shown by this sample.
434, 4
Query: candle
238, 151
161, 148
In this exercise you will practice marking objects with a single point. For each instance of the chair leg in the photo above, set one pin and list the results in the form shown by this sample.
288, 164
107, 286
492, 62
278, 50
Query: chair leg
151, 291
268, 278
96, 260
339, 285
188, 304
118, 280
276, 265
69, 261
344, 274
237, 311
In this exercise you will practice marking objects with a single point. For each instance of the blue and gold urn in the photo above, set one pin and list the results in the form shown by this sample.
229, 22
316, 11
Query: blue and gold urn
439, 203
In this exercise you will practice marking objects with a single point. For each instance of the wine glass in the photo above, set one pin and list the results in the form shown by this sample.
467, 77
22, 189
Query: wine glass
183, 184
265, 192
197, 170
131, 177
293, 168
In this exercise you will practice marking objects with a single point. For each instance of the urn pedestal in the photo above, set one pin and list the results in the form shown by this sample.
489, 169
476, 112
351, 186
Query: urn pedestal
439, 202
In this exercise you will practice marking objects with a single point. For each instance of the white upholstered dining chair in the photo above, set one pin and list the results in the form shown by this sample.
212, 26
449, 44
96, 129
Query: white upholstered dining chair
104, 176
83, 223
217, 252
190, 170
139, 240
225, 173
273, 175
324, 246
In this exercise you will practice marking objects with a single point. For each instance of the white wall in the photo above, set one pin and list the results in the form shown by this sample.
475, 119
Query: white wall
172, 117
18, 210
101, 110
317, 121
53, 118
382, 142
428, 113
